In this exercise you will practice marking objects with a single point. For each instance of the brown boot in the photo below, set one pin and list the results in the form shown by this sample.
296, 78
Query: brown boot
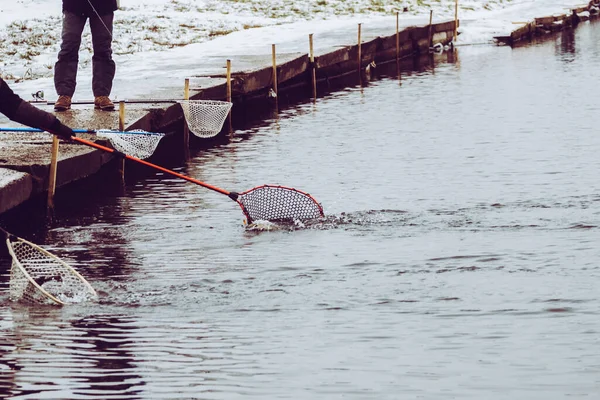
63, 103
103, 103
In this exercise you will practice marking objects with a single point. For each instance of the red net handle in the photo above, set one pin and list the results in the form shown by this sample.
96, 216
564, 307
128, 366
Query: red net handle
268, 202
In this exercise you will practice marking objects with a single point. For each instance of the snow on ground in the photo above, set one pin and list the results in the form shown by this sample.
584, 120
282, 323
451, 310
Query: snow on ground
30, 29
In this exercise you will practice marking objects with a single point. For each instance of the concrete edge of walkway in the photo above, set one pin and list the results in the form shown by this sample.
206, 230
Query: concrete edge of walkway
295, 71
18, 184
542, 26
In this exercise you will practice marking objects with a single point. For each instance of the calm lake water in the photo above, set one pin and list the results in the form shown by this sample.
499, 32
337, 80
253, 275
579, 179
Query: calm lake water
459, 257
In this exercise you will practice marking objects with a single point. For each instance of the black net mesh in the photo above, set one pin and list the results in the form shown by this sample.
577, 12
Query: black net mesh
278, 203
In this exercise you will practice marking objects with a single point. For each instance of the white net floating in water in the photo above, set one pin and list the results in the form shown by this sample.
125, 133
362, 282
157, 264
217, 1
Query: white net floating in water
205, 118
39, 277
136, 143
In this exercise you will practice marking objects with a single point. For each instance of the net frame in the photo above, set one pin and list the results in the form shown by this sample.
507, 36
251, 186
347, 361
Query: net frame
205, 118
25, 274
136, 143
276, 203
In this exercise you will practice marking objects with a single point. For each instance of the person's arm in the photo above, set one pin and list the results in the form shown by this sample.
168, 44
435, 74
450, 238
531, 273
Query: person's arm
9, 101
18, 110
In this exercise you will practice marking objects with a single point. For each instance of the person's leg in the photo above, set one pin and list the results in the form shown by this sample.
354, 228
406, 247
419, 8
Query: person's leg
65, 69
103, 66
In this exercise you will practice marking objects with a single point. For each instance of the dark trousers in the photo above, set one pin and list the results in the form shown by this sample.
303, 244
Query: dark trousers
103, 66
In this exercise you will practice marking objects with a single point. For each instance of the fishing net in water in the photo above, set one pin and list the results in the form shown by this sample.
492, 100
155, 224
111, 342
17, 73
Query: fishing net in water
136, 143
39, 277
205, 118
278, 203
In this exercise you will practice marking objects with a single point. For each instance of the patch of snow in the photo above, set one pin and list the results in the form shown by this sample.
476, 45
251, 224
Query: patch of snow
144, 29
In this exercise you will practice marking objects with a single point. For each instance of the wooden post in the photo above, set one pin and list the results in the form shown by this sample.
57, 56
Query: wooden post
313, 67
273, 54
186, 130
359, 52
455, 22
122, 128
186, 89
430, 28
229, 94
121, 116
52, 175
398, 44
275, 78
397, 36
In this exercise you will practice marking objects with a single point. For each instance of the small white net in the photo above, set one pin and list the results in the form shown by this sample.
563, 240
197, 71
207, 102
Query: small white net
136, 143
205, 118
39, 277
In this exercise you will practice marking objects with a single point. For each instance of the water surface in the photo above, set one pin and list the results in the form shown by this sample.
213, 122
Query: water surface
459, 256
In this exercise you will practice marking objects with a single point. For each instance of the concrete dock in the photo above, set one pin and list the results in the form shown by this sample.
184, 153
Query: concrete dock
544, 25
25, 157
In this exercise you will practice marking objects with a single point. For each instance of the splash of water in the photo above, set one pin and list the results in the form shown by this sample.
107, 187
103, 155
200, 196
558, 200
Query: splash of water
263, 225
66, 293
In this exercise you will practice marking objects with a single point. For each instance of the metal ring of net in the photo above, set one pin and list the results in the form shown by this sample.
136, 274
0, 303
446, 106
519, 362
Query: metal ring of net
205, 118
278, 203
39, 277
136, 143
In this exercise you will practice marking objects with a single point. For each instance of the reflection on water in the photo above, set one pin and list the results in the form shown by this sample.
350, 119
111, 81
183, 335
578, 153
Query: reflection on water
458, 255
566, 46
85, 355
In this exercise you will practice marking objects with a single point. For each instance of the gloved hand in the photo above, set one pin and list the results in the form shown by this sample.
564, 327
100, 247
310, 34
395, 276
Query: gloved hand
29, 115
61, 130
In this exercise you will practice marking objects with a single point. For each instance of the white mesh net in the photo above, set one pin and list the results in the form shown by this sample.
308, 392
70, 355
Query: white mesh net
39, 277
205, 118
136, 143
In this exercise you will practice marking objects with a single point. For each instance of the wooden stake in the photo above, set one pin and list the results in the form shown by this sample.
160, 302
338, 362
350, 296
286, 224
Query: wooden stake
359, 51
186, 89
273, 54
398, 44
275, 78
186, 131
121, 116
430, 28
455, 22
397, 36
52, 175
313, 66
229, 94
122, 128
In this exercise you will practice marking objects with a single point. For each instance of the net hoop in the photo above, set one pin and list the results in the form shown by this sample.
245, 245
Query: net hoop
277, 203
205, 118
136, 143
25, 287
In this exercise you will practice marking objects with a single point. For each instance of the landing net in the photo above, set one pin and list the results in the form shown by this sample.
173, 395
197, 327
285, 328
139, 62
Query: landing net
278, 203
39, 277
205, 118
136, 143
